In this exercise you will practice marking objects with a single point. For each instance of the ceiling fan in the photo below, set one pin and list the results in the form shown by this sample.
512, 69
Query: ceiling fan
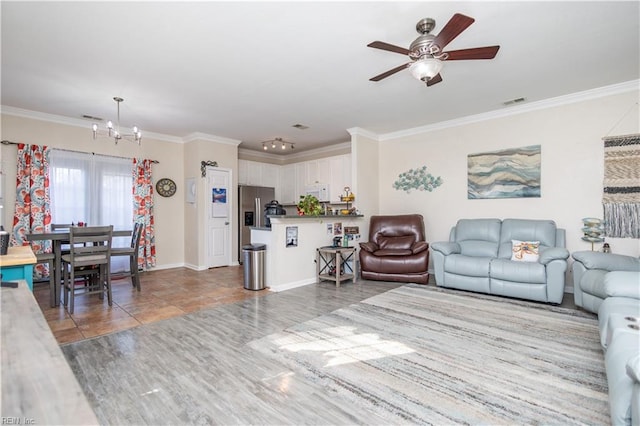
426, 52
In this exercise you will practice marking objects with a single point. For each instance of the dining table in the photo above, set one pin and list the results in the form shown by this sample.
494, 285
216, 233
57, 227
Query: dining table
59, 237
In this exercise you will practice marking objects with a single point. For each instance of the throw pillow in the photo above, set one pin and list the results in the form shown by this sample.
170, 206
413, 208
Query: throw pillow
525, 251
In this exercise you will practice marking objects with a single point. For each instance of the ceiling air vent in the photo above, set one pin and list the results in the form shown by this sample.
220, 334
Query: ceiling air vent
300, 126
91, 117
513, 101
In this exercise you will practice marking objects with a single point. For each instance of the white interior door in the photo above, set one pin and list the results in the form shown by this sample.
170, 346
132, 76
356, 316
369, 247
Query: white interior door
219, 217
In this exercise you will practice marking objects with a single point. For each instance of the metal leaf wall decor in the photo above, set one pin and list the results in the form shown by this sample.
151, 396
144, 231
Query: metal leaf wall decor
417, 179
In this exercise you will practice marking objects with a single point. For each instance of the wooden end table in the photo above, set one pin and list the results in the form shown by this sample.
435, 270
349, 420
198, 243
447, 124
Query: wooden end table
332, 264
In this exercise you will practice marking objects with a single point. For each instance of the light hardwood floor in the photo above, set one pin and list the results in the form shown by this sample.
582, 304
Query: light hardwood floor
198, 368
165, 294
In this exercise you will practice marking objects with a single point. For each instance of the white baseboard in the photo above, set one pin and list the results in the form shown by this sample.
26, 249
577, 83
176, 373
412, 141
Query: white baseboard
289, 286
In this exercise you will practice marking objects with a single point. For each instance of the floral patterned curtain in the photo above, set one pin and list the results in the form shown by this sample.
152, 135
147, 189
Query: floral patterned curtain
32, 209
143, 211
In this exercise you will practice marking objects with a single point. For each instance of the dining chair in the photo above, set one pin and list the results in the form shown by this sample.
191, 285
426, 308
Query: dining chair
89, 256
132, 252
62, 227
54, 285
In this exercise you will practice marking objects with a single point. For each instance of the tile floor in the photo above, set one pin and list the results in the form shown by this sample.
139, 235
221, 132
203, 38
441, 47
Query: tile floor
165, 294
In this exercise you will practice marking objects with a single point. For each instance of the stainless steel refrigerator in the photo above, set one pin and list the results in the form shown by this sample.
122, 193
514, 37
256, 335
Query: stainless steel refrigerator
251, 202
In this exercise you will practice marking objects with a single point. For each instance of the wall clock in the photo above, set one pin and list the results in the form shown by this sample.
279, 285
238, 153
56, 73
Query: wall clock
166, 187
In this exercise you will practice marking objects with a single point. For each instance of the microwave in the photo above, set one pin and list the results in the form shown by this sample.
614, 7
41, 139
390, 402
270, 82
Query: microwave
320, 191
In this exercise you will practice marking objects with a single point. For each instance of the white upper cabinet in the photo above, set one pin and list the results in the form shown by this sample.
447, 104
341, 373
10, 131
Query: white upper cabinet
288, 194
340, 171
259, 174
291, 180
270, 175
311, 168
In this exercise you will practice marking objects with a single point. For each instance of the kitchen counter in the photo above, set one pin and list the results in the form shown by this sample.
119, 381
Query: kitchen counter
292, 265
38, 386
17, 264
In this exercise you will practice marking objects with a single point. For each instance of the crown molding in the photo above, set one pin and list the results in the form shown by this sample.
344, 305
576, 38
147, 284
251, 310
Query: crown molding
261, 154
75, 122
210, 138
359, 131
586, 95
322, 150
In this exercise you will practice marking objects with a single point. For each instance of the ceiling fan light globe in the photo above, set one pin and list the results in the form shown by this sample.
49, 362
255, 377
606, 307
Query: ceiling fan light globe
425, 68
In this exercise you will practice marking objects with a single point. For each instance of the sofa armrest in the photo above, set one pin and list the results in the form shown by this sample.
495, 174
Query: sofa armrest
607, 261
553, 253
419, 246
622, 284
633, 368
446, 247
369, 246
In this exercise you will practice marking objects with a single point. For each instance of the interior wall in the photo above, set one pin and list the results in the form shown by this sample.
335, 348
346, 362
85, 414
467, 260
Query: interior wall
169, 212
225, 154
365, 157
572, 167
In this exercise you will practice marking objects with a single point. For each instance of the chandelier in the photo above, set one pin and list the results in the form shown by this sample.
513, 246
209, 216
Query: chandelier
277, 143
114, 132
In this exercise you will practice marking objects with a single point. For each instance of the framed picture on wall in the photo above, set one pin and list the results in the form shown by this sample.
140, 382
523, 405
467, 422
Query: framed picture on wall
507, 173
292, 236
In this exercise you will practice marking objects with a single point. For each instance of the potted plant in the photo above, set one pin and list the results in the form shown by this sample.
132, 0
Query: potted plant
309, 205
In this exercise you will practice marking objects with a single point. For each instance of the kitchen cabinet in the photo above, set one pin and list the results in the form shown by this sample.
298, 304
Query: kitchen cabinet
291, 180
287, 193
300, 178
270, 175
340, 175
260, 174
311, 168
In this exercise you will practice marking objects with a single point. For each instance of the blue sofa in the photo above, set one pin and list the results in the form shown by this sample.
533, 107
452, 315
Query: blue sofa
589, 269
478, 257
619, 322
609, 284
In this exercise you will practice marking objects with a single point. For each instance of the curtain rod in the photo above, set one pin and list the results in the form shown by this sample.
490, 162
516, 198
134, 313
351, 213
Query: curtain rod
7, 142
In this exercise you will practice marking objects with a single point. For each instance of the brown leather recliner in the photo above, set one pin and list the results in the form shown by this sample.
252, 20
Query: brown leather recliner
396, 250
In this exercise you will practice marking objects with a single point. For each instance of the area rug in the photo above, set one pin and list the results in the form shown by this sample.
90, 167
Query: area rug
425, 355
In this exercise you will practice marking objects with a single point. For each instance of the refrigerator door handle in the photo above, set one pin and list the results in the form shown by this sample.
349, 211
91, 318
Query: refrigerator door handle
257, 213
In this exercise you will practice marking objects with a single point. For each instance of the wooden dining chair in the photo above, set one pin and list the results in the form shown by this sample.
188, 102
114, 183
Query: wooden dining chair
62, 227
54, 285
132, 252
89, 256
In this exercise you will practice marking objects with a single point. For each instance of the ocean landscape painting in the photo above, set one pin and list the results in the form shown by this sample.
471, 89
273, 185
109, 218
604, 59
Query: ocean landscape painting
508, 173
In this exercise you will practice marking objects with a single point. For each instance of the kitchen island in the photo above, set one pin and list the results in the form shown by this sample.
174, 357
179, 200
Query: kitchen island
291, 262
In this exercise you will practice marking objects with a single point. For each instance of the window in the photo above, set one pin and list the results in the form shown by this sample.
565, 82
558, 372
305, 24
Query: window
92, 188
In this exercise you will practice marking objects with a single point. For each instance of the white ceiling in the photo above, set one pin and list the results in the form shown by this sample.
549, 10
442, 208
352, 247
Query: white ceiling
248, 71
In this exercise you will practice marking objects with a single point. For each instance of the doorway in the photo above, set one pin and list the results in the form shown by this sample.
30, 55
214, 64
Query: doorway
219, 201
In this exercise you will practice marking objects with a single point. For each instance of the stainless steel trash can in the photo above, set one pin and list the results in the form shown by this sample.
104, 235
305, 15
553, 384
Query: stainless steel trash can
253, 258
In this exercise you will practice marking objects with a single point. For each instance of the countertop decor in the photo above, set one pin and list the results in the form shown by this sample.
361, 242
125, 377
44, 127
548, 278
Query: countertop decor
309, 206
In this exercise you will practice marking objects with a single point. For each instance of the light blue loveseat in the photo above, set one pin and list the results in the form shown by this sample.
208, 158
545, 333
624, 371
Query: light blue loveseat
477, 257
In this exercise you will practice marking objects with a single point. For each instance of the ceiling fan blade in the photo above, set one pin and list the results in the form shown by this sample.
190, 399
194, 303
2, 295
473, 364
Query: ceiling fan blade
434, 80
390, 72
386, 46
488, 52
457, 24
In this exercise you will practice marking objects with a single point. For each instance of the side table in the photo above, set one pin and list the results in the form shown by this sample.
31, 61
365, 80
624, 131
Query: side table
332, 263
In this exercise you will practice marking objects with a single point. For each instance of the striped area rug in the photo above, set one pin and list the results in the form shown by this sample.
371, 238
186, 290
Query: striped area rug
426, 355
